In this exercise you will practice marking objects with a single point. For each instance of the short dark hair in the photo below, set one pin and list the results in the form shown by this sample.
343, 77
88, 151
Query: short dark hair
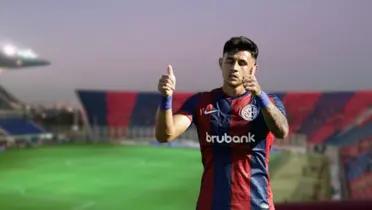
241, 43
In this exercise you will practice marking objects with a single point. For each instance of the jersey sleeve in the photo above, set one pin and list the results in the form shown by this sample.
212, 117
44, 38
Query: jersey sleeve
279, 104
189, 106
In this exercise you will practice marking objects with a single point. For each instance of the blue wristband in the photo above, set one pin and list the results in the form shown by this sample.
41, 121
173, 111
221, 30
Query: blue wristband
264, 99
166, 102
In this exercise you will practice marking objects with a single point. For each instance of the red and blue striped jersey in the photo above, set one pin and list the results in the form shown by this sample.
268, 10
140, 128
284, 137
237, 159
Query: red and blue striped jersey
235, 146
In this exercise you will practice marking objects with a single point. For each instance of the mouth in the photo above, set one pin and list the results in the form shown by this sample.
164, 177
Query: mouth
233, 76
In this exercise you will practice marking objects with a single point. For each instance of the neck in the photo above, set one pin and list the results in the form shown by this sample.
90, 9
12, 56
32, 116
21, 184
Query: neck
233, 91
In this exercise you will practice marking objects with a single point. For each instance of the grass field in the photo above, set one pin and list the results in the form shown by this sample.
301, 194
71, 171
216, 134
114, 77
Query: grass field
91, 177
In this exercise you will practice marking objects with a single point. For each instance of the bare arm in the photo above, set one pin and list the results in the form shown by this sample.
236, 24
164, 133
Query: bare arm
276, 121
169, 126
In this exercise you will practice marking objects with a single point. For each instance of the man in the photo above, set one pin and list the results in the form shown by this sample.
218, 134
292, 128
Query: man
236, 124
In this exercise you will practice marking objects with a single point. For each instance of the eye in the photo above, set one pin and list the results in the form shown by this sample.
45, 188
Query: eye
229, 61
242, 63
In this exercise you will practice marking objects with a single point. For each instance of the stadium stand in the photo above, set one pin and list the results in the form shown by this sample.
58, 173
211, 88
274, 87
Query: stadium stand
352, 135
8, 101
360, 102
327, 109
358, 166
95, 107
144, 109
355, 149
357, 161
321, 117
117, 102
15, 128
121, 112
361, 187
19, 126
116, 118
299, 106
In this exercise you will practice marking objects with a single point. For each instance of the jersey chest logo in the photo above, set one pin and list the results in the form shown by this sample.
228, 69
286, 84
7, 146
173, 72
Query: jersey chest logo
249, 112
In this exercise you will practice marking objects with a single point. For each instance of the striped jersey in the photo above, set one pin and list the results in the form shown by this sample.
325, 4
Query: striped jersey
235, 145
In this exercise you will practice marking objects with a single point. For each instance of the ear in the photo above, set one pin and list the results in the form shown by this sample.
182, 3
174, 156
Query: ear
220, 60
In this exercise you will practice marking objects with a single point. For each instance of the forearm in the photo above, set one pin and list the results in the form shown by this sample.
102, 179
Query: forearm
164, 128
275, 121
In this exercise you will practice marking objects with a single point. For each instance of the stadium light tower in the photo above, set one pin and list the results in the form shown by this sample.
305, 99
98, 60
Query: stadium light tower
12, 57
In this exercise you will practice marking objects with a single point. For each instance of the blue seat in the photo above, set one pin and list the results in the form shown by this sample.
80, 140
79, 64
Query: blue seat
19, 126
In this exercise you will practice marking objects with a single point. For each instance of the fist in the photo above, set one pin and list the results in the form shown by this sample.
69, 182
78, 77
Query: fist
250, 84
167, 82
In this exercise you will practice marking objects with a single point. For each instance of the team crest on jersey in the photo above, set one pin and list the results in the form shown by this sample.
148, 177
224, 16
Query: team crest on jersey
249, 112
264, 206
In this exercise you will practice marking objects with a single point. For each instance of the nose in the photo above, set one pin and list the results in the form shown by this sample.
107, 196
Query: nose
235, 66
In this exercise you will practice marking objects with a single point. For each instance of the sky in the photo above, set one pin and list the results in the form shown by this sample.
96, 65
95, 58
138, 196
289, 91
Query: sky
307, 45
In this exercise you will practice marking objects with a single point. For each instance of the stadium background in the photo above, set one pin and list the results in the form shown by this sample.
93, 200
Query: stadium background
105, 155
69, 141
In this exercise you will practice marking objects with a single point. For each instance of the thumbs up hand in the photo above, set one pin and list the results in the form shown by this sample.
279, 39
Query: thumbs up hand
167, 82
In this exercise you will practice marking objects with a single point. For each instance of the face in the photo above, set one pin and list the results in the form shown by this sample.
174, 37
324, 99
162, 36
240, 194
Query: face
236, 66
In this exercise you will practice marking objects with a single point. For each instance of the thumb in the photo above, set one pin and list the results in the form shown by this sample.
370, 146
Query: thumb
253, 70
170, 70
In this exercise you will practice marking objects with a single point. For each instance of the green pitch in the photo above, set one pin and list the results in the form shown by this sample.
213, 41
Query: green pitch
101, 177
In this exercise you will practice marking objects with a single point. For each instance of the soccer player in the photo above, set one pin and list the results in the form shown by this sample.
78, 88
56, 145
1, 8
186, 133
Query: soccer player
236, 124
